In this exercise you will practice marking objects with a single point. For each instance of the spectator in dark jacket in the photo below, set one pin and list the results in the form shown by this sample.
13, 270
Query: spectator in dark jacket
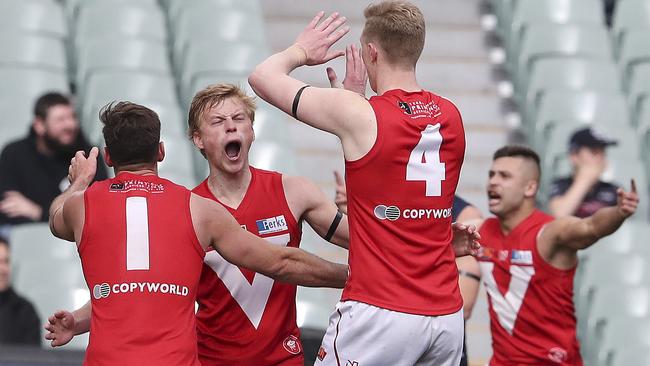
34, 170
19, 323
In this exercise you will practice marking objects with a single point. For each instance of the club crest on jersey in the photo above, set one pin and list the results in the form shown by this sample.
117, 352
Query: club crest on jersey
271, 225
405, 107
557, 354
521, 257
486, 253
292, 345
321, 353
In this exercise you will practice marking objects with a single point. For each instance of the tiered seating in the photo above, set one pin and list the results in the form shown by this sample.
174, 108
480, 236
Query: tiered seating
569, 71
121, 53
48, 271
217, 41
32, 60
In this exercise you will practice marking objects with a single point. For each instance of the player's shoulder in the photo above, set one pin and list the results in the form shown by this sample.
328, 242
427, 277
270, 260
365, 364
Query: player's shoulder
297, 186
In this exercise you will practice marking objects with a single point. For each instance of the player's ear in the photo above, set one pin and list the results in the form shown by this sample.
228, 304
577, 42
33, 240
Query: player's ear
39, 126
531, 188
161, 151
196, 139
107, 157
373, 52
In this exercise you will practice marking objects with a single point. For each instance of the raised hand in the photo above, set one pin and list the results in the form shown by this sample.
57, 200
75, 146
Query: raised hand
341, 198
356, 76
466, 239
82, 170
60, 328
317, 39
628, 201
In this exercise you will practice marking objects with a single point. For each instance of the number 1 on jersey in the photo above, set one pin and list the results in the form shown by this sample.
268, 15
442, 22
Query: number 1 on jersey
137, 234
424, 163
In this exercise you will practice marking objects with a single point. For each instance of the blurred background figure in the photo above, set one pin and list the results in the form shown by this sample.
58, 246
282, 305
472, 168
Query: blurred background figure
19, 323
34, 169
584, 193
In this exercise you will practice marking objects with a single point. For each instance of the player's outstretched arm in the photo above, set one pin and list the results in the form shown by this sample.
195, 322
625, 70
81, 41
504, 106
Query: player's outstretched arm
63, 325
344, 113
80, 174
576, 234
319, 212
215, 227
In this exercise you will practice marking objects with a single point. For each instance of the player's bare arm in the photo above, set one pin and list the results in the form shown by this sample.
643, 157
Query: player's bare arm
66, 211
215, 227
567, 235
311, 204
344, 113
63, 325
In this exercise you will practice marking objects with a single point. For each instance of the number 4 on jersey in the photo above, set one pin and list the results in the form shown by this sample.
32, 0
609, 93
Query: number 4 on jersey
424, 163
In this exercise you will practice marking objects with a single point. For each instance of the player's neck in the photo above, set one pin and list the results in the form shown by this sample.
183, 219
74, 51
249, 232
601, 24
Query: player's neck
389, 78
230, 188
511, 221
137, 169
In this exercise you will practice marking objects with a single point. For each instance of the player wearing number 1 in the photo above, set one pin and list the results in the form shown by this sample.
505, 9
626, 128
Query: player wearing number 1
528, 260
142, 241
404, 149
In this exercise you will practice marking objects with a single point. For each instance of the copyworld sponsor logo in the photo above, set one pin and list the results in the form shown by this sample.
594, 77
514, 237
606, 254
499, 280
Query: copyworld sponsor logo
101, 291
392, 213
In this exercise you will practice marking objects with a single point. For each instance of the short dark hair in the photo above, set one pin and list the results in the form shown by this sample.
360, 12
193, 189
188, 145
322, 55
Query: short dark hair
131, 132
47, 101
518, 151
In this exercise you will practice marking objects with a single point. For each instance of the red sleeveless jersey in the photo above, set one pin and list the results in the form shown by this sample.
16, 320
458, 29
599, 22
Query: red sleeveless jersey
400, 196
246, 318
142, 262
531, 302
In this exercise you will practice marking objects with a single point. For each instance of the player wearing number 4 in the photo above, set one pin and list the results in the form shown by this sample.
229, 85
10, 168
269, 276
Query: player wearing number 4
142, 242
528, 260
403, 149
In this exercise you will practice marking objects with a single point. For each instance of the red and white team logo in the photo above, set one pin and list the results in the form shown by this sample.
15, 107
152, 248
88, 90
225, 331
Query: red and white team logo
321, 353
292, 345
557, 354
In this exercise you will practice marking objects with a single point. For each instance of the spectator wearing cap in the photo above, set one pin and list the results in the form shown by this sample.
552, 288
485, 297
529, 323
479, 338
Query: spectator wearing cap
34, 170
583, 193
19, 323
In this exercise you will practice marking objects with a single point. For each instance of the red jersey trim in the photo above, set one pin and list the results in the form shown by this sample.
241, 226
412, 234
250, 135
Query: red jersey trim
278, 182
85, 229
374, 150
402, 309
191, 232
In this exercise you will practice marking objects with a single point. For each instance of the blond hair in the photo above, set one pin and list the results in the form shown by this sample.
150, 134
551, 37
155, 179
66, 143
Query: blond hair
213, 95
399, 29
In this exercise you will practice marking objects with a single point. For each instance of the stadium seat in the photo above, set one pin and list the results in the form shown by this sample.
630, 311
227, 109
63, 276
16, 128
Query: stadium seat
630, 15
272, 156
31, 82
177, 165
66, 273
217, 26
179, 11
270, 125
632, 355
72, 7
638, 89
582, 107
17, 114
634, 50
631, 302
106, 86
553, 12
122, 54
620, 333
541, 41
32, 50
134, 20
563, 74
33, 16
207, 57
36, 240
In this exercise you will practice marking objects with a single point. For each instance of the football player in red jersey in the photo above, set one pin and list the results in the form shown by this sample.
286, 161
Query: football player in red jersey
142, 241
404, 149
245, 318
528, 260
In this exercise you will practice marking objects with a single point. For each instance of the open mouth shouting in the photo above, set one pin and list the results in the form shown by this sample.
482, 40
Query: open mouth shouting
493, 198
233, 149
